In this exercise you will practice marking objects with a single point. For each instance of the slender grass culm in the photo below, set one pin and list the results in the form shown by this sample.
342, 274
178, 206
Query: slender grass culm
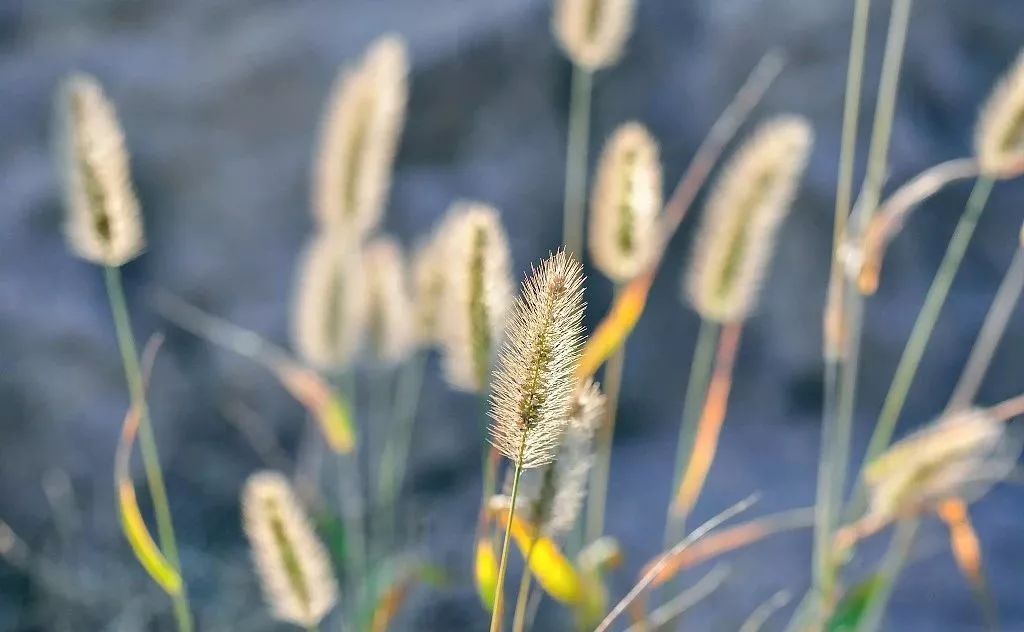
731, 256
292, 564
534, 380
624, 211
104, 226
593, 34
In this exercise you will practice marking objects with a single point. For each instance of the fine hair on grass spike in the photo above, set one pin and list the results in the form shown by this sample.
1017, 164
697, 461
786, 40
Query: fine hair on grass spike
999, 137
625, 203
477, 295
534, 380
359, 137
103, 224
328, 317
749, 201
593, 33
389, 316
292, 564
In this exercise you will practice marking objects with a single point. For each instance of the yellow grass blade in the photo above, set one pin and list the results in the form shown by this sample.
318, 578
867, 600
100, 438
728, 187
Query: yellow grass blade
132, 523
555, 574
327, 407
616, 326
486, 572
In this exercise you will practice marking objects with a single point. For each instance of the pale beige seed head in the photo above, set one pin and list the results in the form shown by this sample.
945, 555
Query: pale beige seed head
477, 295
359, 137
328, 317
428, 277
533, 384
625, 203
748, 203
999, 137
575, 457
390, 318
292, 564
103, 224
960, 455
593, 33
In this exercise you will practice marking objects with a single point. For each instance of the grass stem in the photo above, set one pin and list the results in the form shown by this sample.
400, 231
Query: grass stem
525, 583
147, 438
576, 160
503, 564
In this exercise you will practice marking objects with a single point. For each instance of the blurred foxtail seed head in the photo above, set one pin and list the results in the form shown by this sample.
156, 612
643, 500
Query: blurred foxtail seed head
359, 138
292, 564
533, 385
593, 33
103, 224
477, 296
625, 203
752, 196
999, 137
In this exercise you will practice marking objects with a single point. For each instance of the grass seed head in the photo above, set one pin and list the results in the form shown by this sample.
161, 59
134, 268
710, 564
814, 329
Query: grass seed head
999, 136
477, 295
533, 384
359, 137
625, 203
593, 33
292, 564
103, 224
750, 199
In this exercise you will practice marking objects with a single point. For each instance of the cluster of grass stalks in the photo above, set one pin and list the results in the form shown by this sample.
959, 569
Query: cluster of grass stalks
364, 321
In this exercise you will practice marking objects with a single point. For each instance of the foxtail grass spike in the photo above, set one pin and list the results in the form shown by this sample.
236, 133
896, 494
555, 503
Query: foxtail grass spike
571, 469
103, 224
625, 203
593, 33
389, 313
293, 566
745, 208
477, 295
534, 381
429, 280
999, 137
328, 320
359, 137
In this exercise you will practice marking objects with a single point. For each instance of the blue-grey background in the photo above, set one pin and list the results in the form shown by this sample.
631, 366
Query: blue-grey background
220, 100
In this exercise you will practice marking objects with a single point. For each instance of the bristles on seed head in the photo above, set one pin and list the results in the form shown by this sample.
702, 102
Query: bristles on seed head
593, 32
389, 311
103, 224
625, 203
575, 457
960, 455
477, 295
532, 386
359, 138
328, 318
999, 137
751, 198
293, 567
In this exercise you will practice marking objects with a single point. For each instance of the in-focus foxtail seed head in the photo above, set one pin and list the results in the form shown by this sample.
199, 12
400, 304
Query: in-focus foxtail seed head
533, 384
999, 137
748, 203
593, 33
103, 224
359, 138
328, 317
292, 564
625, 203
960, 455
390, 318
477, 296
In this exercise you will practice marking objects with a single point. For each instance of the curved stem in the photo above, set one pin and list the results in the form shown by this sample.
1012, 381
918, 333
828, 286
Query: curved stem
576, 160
147, 438
503, 565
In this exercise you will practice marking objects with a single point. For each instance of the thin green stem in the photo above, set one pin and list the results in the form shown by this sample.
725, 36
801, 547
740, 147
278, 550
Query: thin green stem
350, 498
601, 472
576, 160
147, 438
892, 565
503, 565
696, 391
519, 619
926, 319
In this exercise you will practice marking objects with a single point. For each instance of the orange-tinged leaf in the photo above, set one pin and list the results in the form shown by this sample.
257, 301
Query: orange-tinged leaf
328, 408
963, 539
132, 523
486, 572
389, 604
616, 326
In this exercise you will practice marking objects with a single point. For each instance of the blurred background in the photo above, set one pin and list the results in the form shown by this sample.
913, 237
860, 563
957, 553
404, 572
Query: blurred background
221, 101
